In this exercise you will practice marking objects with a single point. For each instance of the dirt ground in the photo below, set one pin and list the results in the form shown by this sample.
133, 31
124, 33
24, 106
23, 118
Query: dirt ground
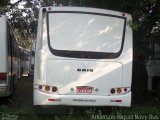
23, 92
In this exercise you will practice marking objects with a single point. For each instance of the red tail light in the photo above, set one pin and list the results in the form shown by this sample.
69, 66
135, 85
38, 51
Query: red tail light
40, 87
125, 89
54, 89
47, 88
112, 91
3, 76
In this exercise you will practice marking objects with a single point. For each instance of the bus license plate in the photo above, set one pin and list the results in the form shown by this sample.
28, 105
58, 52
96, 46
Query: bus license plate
84, 89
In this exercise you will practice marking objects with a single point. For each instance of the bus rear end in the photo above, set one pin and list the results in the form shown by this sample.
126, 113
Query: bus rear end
4, 57
83, 57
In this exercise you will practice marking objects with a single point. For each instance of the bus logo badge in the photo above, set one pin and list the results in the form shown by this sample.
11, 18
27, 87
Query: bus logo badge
84, 70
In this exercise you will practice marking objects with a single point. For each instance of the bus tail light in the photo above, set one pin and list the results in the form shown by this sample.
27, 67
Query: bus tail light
47, 88
119, 90
125, 89
54, 89
3, 76
40, 87
112, 91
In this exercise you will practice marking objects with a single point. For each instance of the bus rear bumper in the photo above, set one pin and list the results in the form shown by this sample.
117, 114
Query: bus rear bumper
3, 91
42, 98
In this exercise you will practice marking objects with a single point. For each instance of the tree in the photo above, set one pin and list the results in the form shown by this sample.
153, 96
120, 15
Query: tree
23, 20
23, 15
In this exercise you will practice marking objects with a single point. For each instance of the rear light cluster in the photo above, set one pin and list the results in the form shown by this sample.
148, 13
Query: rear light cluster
122, 90
3, 76
46, 88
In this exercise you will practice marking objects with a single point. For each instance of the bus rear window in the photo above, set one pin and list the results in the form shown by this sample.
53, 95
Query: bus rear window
86, 32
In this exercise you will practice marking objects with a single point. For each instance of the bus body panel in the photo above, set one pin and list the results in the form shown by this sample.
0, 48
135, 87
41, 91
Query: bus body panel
68, 73
4, 59
3, 45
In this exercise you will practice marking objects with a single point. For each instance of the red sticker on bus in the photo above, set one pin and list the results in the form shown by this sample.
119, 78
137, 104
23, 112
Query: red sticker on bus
84, 89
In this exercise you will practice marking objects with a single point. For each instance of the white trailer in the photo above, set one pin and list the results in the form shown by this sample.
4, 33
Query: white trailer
83, 57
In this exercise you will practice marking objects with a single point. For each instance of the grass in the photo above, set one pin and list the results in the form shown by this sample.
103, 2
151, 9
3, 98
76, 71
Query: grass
143, 112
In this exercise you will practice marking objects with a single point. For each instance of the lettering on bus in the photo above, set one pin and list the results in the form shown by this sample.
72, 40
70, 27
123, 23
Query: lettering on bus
84, 70
84, 100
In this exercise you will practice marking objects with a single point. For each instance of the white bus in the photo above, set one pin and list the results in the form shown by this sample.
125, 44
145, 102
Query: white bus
24, 55
31, 61
83, 57
9, 61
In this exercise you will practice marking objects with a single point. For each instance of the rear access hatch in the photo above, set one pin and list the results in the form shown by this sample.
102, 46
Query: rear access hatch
84, 77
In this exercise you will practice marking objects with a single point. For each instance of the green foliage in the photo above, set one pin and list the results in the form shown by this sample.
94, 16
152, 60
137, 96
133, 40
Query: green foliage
23, 15
133, 25
3, 3
80, 113
3, 6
